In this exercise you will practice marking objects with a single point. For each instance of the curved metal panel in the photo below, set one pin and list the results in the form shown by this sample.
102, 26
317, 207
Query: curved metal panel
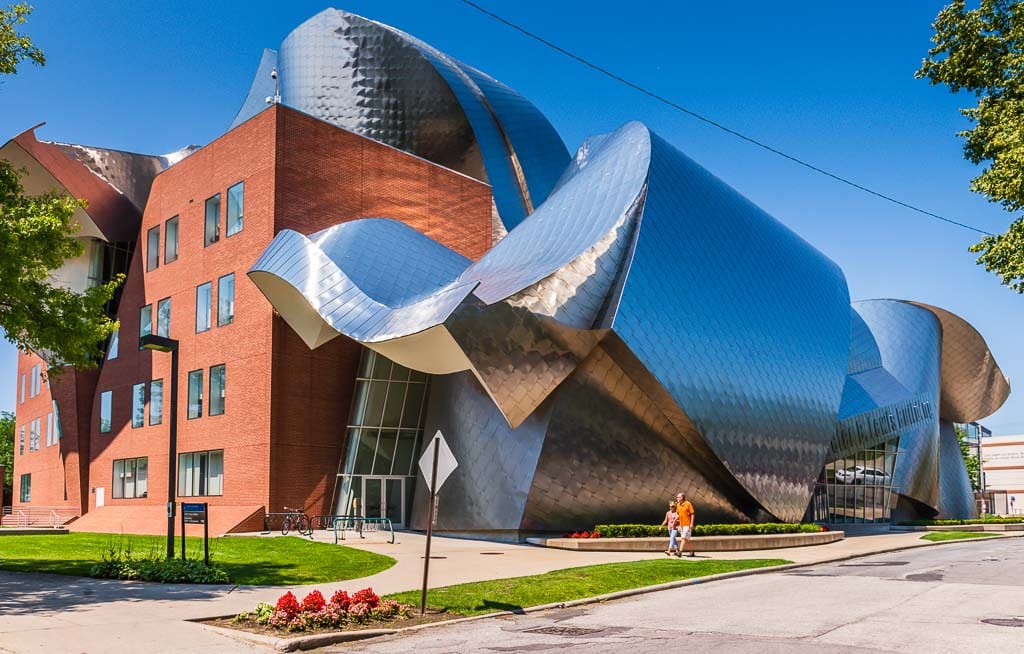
864, 354
956, 498
760, 318
973, 386
263, 87
909, 340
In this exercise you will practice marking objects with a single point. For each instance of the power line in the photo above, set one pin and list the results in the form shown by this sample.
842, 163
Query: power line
714, 123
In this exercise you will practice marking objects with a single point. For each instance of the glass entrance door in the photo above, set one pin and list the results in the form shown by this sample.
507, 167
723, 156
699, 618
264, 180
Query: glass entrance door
384, 497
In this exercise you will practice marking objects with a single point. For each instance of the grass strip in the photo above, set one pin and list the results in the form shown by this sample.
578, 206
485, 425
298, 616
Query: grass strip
247, 560
937, 536
516, 593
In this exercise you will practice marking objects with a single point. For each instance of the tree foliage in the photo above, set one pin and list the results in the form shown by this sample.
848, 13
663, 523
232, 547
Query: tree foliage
971, 461
7, 449
981, 51
36, 238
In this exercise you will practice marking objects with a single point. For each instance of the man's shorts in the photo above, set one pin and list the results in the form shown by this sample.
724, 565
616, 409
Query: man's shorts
684, 532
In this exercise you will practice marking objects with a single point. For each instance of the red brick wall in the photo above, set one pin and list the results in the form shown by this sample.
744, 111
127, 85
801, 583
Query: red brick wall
327, 176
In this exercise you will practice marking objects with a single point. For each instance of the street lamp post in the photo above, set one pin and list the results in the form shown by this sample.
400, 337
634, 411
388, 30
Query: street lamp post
163, 344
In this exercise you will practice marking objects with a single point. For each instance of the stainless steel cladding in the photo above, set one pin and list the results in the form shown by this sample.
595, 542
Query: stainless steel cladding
642, 328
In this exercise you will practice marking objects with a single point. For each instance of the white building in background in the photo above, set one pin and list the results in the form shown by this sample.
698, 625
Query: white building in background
1002, 460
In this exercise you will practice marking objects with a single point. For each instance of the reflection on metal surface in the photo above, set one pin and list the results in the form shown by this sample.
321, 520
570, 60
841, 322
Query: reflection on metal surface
382, 83
644, 330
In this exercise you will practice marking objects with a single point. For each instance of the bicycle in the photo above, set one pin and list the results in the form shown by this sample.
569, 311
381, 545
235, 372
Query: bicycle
296, 520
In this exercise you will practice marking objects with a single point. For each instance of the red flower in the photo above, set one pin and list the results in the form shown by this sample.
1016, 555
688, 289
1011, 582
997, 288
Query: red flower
566, 535
824, 528
585, 534
341, 599
288, 604
595, 535
313, 602
575, 534
366, 596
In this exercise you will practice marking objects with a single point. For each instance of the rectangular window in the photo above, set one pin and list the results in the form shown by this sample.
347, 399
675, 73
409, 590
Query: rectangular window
171, 240
57, 433
145, 322
163, 317
21, 397
226, 300
33, 435
21, 441
156, 401
236, 203
131, 478
138, 405
153, 248
49, 430
203, 293
195, 394
213, 220
96, 251
34, 380
26, 488
201, 473
217, 390
114, 341
105, 402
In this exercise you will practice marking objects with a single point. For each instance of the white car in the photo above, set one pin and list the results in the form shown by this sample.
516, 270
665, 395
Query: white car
862, 475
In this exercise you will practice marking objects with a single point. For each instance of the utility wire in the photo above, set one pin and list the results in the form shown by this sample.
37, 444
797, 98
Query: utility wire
714, 123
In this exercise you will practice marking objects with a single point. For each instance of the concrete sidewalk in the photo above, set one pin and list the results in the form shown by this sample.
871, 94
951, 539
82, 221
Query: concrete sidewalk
56, 613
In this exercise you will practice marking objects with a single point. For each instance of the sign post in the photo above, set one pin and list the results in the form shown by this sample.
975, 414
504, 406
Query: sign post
436, 464
194, 514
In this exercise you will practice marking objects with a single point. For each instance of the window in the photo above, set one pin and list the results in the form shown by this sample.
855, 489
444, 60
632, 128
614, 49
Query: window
131, 478
49, 430
201, 473
236, 202
57, 433
163, 317
21, 441
226, 300
217, 390
138, 405
195, 394
105, 402
203, 292
153, 248
26, 488
114, 341
21, 397
156, 401
33, 435
96, 252
145, 322
34, 380
171, 240
213, 220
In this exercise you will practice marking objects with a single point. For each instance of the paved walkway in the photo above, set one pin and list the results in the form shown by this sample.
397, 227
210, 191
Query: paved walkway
70, 614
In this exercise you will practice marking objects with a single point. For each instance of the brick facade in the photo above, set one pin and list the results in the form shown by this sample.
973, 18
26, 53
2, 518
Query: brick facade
286, 407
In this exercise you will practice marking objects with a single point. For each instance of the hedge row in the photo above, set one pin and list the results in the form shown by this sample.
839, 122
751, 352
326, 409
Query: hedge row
642, 531
994, 520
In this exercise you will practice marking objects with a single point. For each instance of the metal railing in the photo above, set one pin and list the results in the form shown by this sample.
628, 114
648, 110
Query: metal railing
360, 525
42, 516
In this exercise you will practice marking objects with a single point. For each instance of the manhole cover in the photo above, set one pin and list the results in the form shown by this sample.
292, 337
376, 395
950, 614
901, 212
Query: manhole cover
872, 564
1005, 622
564, 631
492, 553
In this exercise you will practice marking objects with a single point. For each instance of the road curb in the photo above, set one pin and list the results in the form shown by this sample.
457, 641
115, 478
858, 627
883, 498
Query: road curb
302, 643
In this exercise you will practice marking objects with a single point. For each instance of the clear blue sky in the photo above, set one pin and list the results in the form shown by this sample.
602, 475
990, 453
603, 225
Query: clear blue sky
829, 82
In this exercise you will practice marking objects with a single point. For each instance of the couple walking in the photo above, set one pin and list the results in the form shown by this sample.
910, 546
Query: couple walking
679, 519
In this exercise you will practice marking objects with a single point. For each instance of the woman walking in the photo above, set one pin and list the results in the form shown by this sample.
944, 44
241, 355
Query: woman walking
672, 521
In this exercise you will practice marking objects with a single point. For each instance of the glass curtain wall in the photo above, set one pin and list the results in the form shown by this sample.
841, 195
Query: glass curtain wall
857, 488
384, 434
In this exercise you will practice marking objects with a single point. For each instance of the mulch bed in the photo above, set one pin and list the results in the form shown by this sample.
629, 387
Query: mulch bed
253, 627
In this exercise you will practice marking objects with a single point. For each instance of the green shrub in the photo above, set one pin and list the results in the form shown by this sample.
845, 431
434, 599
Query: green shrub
987, 520
642, 531
121, 562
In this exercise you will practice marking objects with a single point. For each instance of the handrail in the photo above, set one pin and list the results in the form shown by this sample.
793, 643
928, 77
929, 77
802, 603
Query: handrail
24, 517
357, 522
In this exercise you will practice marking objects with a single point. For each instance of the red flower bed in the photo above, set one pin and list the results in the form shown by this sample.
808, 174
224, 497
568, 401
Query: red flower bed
316, 613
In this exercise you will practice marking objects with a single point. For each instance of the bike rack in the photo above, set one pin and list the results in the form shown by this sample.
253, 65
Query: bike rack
341, 523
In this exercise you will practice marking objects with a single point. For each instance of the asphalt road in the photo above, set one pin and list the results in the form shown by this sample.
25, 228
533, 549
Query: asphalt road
931, 600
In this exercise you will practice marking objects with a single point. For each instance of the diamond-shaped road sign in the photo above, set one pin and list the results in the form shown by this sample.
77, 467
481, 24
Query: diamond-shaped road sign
446, 463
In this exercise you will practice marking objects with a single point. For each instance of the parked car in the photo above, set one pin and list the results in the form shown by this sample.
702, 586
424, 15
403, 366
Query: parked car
861, 475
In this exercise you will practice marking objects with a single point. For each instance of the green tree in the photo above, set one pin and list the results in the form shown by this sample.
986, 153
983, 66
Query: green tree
971, 461
981, 51
7, 452
36, 238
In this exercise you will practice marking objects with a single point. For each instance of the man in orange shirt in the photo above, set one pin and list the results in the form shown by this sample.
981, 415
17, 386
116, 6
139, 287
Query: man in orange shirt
686, 520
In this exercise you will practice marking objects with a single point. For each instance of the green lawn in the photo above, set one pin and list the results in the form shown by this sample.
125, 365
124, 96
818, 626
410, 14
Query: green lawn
955, 535
574, 583
258, 561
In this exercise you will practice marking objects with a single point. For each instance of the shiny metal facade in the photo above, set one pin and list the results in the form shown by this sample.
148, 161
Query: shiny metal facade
379, 82
642, 328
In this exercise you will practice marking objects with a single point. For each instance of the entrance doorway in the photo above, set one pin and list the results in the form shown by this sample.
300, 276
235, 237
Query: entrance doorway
384, 497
